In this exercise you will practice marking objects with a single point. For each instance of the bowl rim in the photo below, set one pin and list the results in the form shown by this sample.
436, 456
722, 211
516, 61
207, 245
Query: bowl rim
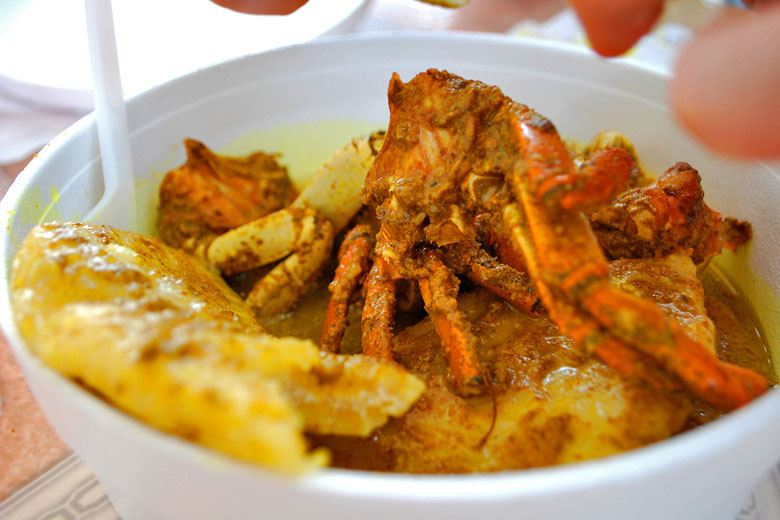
623, 468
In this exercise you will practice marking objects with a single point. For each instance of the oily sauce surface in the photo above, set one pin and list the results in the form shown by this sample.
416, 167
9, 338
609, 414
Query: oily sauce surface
551, 403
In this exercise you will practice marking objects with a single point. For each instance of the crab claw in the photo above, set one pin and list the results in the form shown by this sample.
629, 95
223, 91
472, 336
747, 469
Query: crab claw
299, 236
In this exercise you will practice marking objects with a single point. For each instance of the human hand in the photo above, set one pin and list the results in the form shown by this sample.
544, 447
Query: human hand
726, 85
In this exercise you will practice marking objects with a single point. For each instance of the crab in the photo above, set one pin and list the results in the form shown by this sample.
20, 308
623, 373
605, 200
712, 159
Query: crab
469, 183
666, 216
296, 234
211, 194
464, 169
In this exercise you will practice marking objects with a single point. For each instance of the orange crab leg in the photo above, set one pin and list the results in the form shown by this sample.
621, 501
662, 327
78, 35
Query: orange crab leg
583, 329
492, 232
723, 385
354, 255
600, 179
634, 364
516, 287
439, 291
378, 312
513, 286
568, 265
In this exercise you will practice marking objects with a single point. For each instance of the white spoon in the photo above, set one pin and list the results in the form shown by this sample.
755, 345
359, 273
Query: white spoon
117, 205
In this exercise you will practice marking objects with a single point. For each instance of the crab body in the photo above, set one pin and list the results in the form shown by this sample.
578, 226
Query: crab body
457, 150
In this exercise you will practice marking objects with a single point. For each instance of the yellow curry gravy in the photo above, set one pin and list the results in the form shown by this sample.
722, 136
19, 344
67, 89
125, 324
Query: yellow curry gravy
550, 403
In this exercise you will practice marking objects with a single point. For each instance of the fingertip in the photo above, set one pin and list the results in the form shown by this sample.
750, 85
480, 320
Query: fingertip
726, 89
267, 7
614, 26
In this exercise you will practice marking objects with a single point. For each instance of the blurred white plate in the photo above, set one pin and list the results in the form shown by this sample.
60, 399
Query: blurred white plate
45, 56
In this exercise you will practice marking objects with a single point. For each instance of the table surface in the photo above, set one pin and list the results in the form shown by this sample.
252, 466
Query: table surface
32, 455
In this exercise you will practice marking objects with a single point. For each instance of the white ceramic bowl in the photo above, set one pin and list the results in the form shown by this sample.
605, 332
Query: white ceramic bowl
704, 474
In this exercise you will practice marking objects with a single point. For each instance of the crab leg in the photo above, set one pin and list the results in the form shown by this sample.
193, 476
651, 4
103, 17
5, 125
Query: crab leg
597, 181
634, 364
256, 243
335, 188
502, 280
306, 227
584, 329
354, 255
334, 191
492, 231
378, 312
511, 285
440, 291
645, 326
568, 266
278, 291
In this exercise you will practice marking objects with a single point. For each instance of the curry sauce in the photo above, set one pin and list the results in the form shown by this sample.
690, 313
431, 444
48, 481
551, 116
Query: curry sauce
550, 403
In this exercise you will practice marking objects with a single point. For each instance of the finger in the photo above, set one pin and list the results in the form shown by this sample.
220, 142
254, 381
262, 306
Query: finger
758, 3
726, 89
614, 26
261, 6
